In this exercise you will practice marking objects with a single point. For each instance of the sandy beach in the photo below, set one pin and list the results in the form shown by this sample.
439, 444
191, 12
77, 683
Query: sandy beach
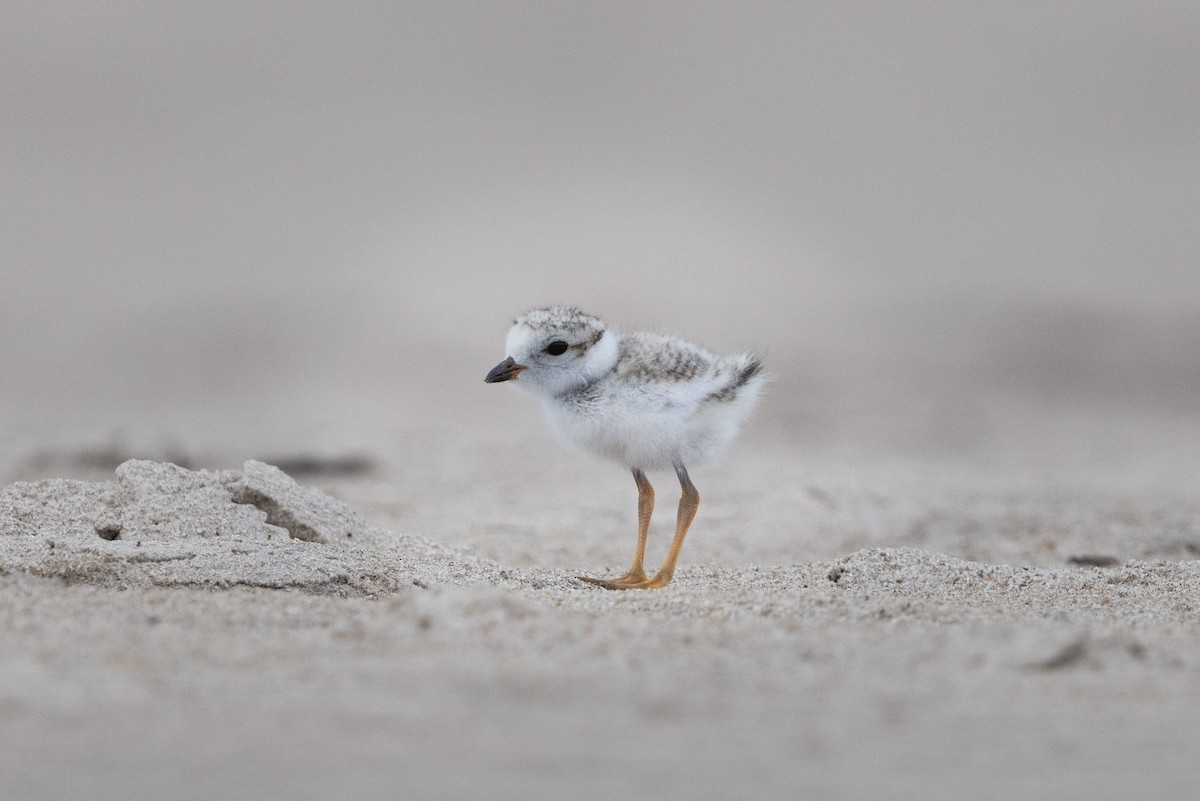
265, 533
840, 627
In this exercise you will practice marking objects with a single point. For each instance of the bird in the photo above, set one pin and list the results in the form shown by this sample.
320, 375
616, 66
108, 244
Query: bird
646, 400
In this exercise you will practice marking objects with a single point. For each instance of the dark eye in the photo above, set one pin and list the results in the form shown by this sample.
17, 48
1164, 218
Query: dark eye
556, 348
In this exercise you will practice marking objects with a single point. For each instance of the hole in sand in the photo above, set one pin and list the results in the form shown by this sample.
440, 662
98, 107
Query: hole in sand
108, 532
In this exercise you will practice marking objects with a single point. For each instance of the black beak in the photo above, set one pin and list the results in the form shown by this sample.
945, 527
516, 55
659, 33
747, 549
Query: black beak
506, 370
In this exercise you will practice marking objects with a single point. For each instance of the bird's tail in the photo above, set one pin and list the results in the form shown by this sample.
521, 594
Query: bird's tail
747, 380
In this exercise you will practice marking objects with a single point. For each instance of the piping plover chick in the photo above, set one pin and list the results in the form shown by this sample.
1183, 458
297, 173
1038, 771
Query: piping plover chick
646, 400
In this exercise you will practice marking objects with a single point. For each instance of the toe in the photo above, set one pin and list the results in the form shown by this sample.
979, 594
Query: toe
614, 584
633, 578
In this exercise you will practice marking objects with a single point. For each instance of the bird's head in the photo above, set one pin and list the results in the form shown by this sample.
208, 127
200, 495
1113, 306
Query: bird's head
555, 349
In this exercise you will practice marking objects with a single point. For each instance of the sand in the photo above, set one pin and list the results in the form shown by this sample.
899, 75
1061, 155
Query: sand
841, 626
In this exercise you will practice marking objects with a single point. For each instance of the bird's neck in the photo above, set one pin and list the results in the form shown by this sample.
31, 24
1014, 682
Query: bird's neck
600, 361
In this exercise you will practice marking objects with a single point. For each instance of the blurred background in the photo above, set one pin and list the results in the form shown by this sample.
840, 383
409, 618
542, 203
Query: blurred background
952, 228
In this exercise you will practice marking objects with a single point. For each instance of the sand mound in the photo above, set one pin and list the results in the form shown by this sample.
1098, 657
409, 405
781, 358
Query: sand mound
911, 583
159, 524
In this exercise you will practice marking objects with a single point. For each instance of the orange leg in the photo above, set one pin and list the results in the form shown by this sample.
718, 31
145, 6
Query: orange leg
637, 573
689, 502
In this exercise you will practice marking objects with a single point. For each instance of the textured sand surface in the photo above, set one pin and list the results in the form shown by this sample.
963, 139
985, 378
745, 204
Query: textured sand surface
874, 630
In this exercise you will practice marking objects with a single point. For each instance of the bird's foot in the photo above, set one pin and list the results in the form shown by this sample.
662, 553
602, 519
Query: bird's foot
633, 580
635, 576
